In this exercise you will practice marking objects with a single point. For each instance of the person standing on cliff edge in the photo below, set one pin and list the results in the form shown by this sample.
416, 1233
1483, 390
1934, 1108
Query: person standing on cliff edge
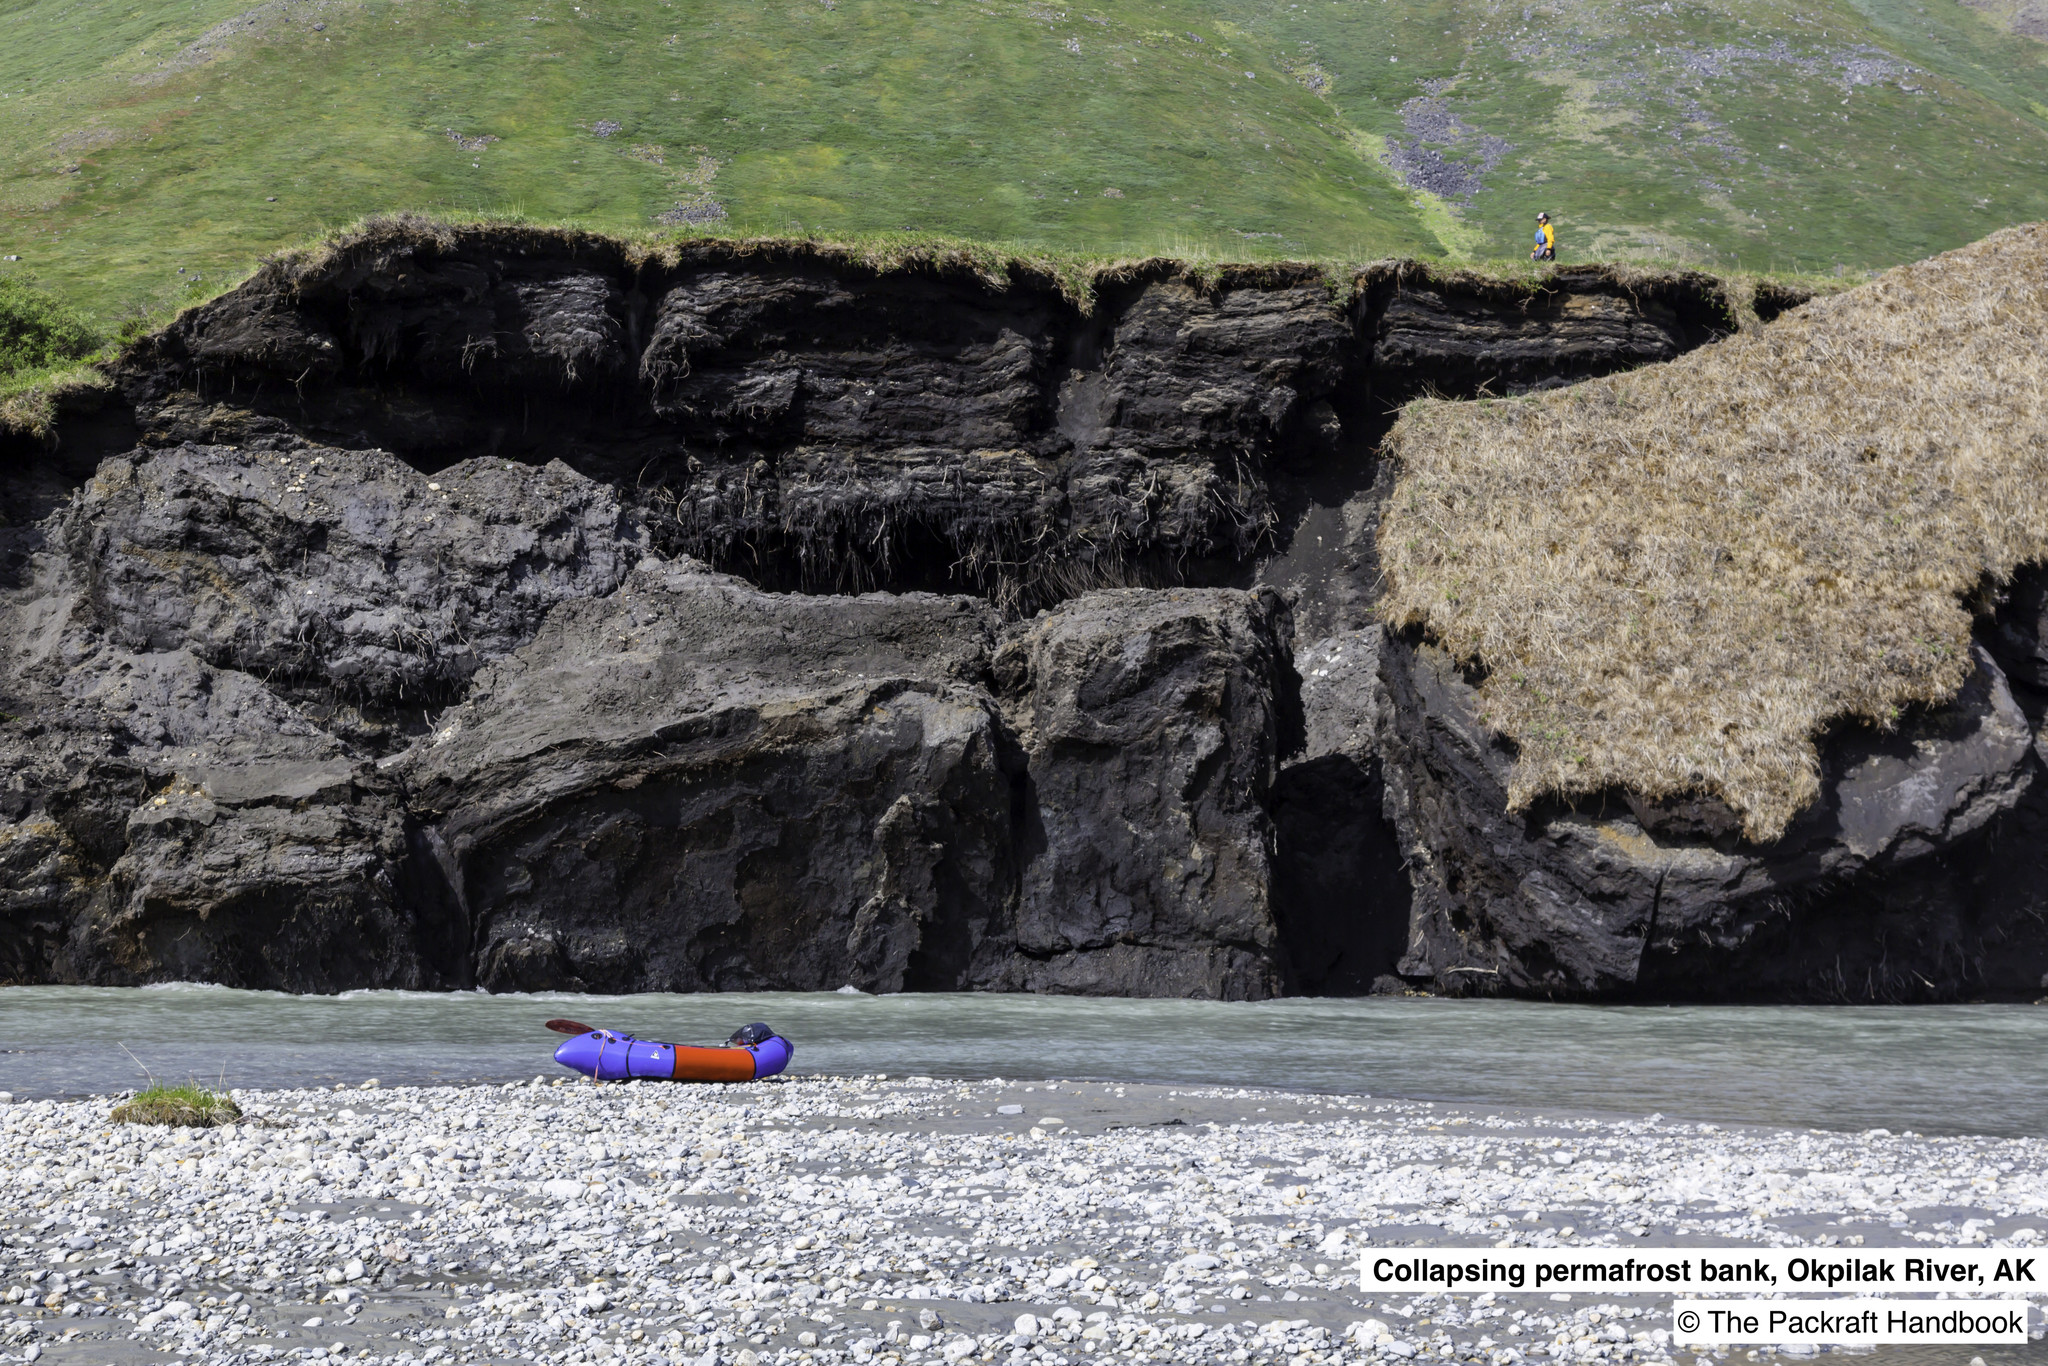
1546, 240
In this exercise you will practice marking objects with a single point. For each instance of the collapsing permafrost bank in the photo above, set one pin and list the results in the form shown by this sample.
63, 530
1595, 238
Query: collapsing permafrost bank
492, 606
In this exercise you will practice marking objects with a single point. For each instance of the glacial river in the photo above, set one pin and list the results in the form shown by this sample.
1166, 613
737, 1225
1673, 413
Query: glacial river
1935, 1069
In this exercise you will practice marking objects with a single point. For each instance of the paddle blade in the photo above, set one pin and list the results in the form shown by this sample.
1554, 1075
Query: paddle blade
569, 1027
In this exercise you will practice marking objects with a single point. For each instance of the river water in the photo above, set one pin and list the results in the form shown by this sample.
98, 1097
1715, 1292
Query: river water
1935, 1069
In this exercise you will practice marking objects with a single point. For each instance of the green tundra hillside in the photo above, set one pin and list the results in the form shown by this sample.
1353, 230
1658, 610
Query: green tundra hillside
151, 152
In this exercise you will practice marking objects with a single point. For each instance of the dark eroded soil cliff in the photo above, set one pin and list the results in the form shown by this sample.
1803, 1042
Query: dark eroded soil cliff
495, 607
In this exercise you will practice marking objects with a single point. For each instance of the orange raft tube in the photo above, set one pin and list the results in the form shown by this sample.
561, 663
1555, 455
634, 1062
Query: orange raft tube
753, 1053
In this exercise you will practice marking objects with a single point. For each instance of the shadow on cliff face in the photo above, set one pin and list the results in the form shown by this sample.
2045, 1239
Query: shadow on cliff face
37, 479
1341, 897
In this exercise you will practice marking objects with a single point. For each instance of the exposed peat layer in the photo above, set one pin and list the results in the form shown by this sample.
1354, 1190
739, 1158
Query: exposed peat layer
523, 608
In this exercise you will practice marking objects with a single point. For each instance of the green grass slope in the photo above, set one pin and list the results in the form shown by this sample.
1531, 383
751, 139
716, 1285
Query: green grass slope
150, 153
136, 146
1773, 135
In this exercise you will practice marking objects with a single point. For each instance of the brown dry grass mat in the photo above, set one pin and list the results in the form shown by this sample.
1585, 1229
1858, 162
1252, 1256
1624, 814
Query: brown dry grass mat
1677, 576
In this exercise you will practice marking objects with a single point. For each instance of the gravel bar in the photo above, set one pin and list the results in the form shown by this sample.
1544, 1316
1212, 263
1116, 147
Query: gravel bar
909, 1220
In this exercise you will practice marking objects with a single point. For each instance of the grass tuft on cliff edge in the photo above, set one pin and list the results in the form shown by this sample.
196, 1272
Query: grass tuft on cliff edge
1076, 274
45, 348
1675, 578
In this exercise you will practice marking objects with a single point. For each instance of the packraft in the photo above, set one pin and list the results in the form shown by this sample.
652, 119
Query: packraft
752, 1053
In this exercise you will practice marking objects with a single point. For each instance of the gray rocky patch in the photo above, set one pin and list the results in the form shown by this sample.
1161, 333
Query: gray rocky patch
2028, 18
1851, 67
863, 1218
263, 20
694, 214
1421, 161
1183, 686
694, 785
344, 575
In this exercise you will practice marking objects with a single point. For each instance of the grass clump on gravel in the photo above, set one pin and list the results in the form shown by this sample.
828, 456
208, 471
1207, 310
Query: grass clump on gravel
189, 1106
1676, 577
